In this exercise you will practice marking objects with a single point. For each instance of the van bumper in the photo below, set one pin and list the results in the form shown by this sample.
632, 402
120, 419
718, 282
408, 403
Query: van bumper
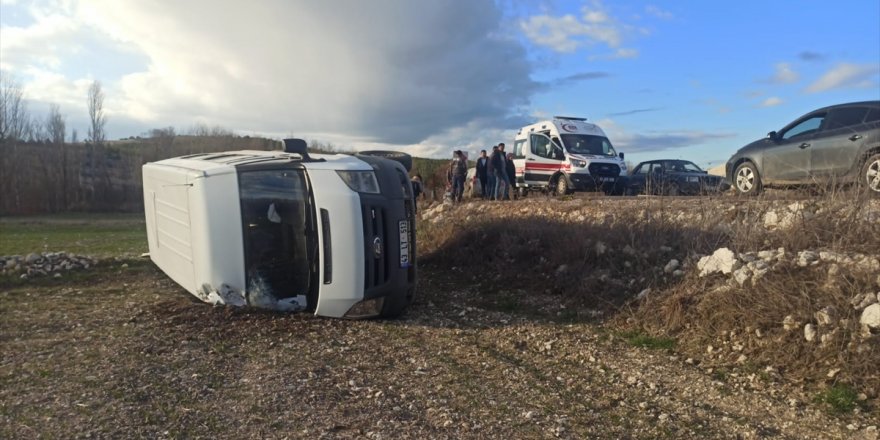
589, 182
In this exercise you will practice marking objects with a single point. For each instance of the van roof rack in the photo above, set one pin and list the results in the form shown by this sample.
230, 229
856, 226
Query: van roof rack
570, 118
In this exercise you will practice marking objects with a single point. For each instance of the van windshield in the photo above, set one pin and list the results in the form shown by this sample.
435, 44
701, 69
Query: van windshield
278, 232
588, 144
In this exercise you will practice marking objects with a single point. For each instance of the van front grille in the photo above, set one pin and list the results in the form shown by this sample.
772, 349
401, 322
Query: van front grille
604, 169
375, 246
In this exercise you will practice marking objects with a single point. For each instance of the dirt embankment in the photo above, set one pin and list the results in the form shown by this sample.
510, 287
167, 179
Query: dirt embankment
534, 319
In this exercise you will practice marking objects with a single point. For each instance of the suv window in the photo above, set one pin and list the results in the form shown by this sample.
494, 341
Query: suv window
642, 169
873, 115
845, 117
805, 127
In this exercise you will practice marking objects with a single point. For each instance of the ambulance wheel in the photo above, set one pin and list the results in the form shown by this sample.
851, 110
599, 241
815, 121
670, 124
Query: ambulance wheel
561, 186
402, 158
522, 192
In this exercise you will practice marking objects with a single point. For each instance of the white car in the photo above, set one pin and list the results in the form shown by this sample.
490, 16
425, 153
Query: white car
285, 230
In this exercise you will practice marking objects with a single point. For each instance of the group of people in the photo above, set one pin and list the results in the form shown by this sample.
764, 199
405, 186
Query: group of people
496, 174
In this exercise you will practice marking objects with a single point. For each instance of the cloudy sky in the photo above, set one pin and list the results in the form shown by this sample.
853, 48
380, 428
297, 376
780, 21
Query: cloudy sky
689, 79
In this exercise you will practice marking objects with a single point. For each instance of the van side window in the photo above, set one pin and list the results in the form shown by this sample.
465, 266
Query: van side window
541, 146
518, 149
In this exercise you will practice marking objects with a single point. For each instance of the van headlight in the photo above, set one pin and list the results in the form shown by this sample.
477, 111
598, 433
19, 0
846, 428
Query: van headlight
578, 162
360, 181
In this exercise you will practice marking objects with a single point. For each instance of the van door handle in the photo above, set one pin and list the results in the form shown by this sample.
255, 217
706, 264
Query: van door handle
530, 159
855, 137
804, 145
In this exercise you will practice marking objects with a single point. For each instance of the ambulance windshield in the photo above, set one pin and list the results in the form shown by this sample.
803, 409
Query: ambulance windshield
588, 144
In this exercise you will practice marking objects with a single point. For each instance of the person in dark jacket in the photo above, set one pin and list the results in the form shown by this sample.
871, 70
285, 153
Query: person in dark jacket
458, 173
499, 168
511, 175
490, 175
482, 168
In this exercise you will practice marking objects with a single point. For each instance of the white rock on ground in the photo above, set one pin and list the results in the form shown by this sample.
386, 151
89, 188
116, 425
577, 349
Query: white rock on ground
810, 332
825, 316
871, 316
723, 260
788, 323
806, 258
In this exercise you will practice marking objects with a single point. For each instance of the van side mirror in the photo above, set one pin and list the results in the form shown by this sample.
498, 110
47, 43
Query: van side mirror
773, 136
621, 155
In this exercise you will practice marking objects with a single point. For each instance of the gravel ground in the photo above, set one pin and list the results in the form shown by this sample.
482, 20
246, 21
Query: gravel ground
125, 353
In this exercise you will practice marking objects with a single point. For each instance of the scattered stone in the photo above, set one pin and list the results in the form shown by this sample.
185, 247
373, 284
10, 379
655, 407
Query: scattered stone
807, 258
723, 260
826, 316
644, 293
863, 300
678, 273
665, 249
600, 248
871, 316
810, 332
561, 269
833, 372
788, 323
32, 258
671, 266
56, 275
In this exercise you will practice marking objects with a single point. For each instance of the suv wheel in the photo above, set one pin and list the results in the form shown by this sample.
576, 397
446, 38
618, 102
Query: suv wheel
746, 179
871, 175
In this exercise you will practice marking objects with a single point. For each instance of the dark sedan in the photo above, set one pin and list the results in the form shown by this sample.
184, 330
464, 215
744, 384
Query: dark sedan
672, 178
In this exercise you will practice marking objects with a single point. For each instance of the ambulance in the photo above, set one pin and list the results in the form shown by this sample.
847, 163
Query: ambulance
567, 154
289, 231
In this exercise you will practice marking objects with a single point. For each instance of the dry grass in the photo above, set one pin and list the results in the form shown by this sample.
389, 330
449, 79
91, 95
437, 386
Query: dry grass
542, 253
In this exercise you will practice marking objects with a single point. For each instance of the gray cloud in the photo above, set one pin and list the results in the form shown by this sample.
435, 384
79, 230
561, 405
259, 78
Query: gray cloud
811, 56
634, 111
662, 141
578, 77
395, 72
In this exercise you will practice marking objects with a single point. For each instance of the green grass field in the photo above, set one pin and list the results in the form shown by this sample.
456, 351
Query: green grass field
97, 235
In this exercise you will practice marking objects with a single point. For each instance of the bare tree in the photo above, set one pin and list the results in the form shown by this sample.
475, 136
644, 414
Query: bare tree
14, 118
74, 136
96, 113
202, 129
55, 125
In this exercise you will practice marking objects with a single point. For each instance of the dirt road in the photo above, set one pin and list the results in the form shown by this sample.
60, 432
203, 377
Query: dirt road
122, 352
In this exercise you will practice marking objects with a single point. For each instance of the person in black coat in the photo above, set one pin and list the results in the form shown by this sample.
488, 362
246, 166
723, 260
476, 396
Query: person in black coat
482, 173
511, 174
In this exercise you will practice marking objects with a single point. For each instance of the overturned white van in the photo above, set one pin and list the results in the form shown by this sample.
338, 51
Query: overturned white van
285, 230
567, 154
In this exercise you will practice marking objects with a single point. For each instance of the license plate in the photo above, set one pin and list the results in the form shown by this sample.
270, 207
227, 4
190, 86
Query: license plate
404, 243
606, 179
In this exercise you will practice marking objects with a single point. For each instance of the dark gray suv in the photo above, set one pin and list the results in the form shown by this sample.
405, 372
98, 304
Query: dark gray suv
840, 143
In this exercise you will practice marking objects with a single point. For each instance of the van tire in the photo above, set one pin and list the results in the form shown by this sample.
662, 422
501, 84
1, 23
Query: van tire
402, 158
562, 185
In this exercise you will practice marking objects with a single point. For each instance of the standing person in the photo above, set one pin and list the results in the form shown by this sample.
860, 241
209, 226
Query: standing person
511, 175
490, 174
499, 164
482, 164
417, 190
458, 171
